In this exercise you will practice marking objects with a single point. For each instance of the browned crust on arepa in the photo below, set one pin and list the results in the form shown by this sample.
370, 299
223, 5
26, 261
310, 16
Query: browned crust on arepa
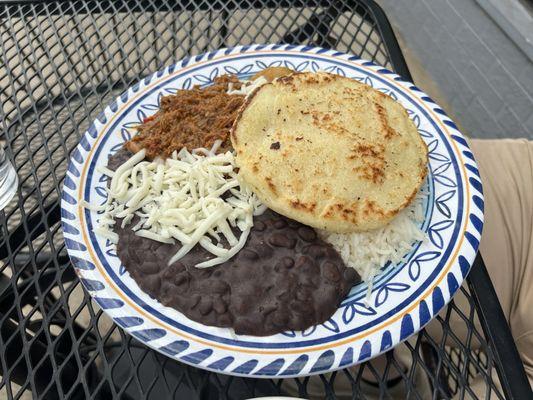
287, 166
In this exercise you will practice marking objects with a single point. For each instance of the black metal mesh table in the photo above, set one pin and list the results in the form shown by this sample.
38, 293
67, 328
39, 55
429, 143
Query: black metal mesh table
60, 64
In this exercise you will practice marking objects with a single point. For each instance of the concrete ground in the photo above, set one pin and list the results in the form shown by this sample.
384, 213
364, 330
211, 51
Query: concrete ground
465, 59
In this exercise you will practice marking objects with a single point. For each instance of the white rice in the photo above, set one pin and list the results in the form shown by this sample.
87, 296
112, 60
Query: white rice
368, 252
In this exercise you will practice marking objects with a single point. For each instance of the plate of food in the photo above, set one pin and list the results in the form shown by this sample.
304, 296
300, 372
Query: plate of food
272, 210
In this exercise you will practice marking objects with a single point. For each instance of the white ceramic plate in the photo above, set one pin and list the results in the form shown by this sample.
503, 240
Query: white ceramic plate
405, 296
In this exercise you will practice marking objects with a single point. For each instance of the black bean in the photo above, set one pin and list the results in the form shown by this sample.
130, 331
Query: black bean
280, 224
268, 309
303, 293
194, 300
225, 320
307, 234
150, 267
205, 306
172, 270
220, 307
145, 244
133, 257
249, 254
240, 305
280, 317
306, 265
288, 262
151, 283
217, 286
181, 279
351, 275
281, 240
263, 250
300, 307
331, 271
259, 226
316, 250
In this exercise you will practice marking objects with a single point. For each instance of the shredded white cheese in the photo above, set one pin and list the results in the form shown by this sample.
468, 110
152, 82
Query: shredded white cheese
247, 87
181, 199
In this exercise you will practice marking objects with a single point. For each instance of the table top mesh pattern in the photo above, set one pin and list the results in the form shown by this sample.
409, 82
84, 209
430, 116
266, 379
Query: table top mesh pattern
60, 64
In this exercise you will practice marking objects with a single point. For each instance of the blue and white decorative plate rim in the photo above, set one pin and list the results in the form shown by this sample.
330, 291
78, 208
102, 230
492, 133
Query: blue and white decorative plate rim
404, 298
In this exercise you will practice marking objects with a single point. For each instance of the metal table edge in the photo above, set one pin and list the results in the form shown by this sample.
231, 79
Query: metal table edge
512, 373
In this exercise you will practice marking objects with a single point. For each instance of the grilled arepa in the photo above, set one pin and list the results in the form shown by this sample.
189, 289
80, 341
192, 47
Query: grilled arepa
329, 151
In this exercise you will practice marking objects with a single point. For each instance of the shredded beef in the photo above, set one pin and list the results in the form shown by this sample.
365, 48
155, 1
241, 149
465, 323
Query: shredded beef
190, 118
